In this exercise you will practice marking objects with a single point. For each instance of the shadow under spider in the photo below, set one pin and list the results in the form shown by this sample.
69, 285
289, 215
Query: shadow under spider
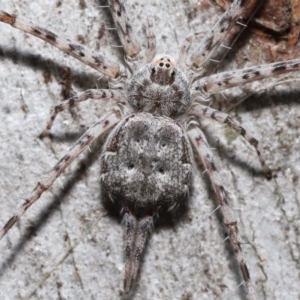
43, 216
37, 62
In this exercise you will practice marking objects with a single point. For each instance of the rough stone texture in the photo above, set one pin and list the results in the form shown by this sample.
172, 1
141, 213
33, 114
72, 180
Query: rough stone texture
186, 257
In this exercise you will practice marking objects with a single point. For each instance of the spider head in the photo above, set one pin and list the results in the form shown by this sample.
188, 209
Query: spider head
160, 88
163, 70
163, 61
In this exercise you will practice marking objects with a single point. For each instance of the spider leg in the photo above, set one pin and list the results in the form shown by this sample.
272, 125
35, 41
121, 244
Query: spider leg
136, 233
151, 41
125, 30
135, 55
199, 141
214, 38
225, 80
88, 94
93, 59
85, 140
205, 111
181, 63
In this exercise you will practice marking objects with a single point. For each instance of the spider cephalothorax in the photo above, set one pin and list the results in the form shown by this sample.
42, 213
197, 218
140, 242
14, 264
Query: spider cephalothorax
159, 88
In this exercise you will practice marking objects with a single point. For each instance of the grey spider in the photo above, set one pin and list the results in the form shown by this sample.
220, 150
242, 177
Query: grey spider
159, 98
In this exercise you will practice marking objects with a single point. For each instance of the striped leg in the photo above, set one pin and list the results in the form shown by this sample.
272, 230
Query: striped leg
225, 80
135, 55
88, 94
205, 111
151, 41
215, 37
182, 59
125, 30
200, 143
93, 59
86, 139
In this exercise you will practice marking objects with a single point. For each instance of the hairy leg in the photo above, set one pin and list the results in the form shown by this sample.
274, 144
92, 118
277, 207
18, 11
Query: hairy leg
89, 57
205, 111
106, 122
89, 94
199, 141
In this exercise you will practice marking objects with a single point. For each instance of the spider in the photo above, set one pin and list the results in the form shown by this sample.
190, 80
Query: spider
136, 61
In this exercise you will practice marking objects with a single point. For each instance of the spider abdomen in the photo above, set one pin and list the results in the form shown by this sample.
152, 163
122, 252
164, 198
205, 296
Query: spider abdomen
146, 164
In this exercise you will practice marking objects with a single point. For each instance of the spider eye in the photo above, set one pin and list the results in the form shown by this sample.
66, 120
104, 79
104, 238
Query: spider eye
161, 64
168, 65
161, 171
131, 166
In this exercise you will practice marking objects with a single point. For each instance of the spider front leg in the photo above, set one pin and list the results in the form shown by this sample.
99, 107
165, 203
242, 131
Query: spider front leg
125, 30
199, 141
129, 39
106, 122
205, 111
88, 94
214, 38
93, 59
151, 41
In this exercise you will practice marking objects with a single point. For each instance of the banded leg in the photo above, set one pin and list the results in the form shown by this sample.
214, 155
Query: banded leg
202, 147
93, 59
88, 94
151, 42
215, 37
125, 30
225, 80
86, 139
205, 111
136, 233
182, 59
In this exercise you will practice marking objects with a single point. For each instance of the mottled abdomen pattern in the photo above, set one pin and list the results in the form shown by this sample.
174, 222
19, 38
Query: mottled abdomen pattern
146, 164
